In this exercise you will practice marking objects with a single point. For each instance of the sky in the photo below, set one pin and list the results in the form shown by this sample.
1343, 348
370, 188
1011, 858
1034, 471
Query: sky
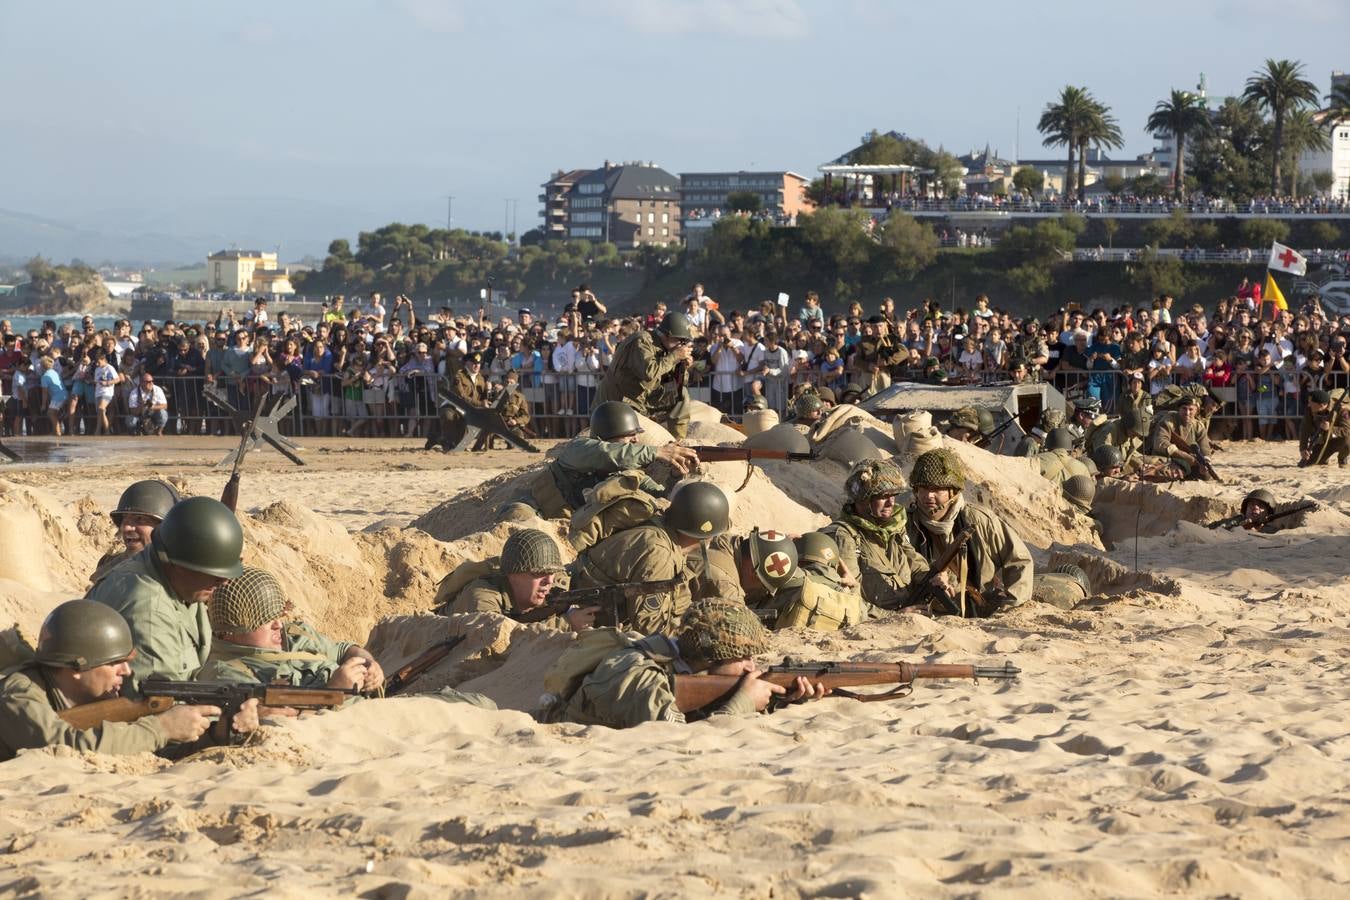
178, 127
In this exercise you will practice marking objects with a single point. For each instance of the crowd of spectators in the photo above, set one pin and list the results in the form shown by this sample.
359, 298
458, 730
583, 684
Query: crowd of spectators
373, 370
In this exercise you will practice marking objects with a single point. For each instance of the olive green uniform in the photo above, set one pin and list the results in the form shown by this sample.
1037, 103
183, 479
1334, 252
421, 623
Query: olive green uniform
636, 685
816, 600
642, 374
1113, 433
515, 406
472, 389
492, 594
1312, 438
29, 704
172, 636
109, 561
645, 553
1160, 438
881, 557
306, 659
1058, 466
994, 552
584, 463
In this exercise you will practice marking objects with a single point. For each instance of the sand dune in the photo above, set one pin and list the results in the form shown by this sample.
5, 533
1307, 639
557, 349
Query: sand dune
1178, 734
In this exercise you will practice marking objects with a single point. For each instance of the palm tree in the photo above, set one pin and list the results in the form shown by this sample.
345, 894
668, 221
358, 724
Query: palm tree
1338, 106
1062, 122
1099, 129
1181, 115
1302, 132
1279, 89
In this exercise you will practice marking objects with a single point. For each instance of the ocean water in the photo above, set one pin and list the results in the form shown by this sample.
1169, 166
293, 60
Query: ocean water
21, 324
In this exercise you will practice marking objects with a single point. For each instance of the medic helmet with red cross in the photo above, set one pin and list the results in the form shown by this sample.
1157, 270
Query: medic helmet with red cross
774, 558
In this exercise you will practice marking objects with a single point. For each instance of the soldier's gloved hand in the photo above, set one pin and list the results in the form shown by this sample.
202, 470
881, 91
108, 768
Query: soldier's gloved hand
681, 459
759, 692
186, 723
352, 673
246, 720
581, 617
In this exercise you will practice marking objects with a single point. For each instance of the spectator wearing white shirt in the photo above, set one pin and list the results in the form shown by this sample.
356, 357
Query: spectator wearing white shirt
147, 404
588, 368
770, 364
565, 364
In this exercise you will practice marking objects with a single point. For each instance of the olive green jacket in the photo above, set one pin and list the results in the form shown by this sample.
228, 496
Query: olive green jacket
636, 685
493, 595
306, 659
880, 557
1160, 438
642, 375
172, 636
996, 551
585, 462
29, 704
642, 554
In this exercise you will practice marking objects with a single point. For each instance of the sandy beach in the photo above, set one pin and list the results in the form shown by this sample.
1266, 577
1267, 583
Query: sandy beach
1182, 733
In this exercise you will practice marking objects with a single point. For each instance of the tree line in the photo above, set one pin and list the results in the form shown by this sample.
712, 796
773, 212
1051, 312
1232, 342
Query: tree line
1249, 146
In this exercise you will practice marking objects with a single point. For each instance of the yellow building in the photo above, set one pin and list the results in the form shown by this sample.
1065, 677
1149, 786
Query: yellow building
247, 271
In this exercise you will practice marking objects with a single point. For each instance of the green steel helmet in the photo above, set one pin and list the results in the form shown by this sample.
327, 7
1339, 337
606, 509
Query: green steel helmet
675, 325
850, 447
1059, 439
873, 478
818, 548
531, 551
699, 510
1077, 574
151, 498
84, 634
986, 420
967, 417
851, 390
612, 420
718, 630
200, 534
1260, 495
939, 469
1080, 491
247, 602
1107, 457
773, 556
516, 511
1051, 419
782, 436
807, 402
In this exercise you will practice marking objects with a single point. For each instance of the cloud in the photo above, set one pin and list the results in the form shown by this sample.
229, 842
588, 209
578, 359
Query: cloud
777, 20
256, 33
445, 16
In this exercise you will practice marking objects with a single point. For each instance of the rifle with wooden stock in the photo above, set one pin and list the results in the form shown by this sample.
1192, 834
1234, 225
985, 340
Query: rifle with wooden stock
1237, 519
420, 664
613, 600
697, 691
159, 694
748, 454
925, 592
1194, 450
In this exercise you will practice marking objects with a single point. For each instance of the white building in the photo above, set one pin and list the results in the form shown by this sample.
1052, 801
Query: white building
1335, 159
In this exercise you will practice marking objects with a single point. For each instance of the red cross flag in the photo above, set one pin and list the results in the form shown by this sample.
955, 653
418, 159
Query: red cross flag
1285, 259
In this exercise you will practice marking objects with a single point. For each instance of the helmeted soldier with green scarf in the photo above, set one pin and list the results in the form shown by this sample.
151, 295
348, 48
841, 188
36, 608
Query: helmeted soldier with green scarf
870, 532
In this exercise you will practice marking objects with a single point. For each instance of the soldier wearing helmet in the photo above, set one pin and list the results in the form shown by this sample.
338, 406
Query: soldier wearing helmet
1057, 462
163, 591
141, 507
870, 533
1110, 462
1179, 426
996, 562
255, 639
612, 447
648, 373
964, 425
659, 550
752, 568
823, 596
807, 408
83, 656
634, 683
1087, 418
527, 572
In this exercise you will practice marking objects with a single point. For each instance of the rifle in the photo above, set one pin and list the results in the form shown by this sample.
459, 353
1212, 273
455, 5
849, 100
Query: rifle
1239, 519
230, 495
732, 454
160, 694
697, 691
1333, 414
920, 593
613, 599
420, 664
1194, 450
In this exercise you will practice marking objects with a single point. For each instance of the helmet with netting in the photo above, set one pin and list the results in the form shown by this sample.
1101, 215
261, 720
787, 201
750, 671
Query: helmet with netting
247, 602
873, 478
1077, 574
939, 469
718, 630
531, 551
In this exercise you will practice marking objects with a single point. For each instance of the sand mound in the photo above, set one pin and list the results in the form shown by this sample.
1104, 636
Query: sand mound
1012, 488
705, 433
1127, 508
47, 553
848, 415
817, 485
